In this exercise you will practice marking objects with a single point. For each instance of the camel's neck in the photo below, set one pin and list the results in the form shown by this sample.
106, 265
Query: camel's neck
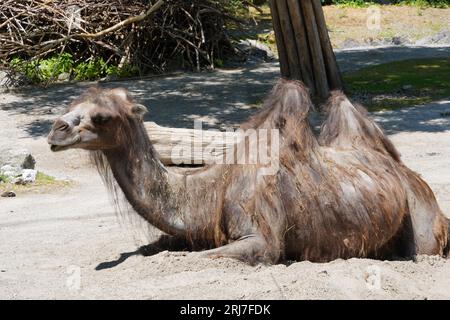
146, 183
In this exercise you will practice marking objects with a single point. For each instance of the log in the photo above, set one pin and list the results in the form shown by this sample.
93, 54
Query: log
304, 45
284, 65
288, 37
179, 146
334, 76
301, 41
318, 64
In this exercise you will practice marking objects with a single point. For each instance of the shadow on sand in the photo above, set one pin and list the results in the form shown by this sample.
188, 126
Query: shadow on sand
222, 98
164, 243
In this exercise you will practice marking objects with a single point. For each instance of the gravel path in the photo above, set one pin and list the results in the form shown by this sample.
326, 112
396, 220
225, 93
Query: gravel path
52, 240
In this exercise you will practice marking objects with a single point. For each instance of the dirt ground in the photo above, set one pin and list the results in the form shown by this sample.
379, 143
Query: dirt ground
68, 243
412, 23
351, 27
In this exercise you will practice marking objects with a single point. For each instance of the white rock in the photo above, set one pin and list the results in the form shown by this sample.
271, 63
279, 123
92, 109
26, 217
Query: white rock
6, 168
64, 77
29, 175
10, 171
11, 174
17, 158
256, 48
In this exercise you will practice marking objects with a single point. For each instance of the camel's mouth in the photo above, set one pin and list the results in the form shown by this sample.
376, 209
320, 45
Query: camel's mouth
56, 148
61, 147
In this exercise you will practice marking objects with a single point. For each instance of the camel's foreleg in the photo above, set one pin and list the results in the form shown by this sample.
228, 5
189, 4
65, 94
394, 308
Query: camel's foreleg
447, 248
429, 226
252, 249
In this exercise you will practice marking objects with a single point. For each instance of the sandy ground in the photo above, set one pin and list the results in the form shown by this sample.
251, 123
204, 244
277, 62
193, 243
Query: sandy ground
69, 243
410, 23
351, 27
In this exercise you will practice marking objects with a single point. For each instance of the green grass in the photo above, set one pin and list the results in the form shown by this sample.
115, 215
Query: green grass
48, 70
354, 3
44, 179
3, 178
384, 84
426, 3
44, 183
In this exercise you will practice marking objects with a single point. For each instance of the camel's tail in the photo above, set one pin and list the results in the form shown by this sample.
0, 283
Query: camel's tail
349, 125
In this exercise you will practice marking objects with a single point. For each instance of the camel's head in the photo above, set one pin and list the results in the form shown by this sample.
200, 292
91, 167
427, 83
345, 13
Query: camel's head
95, 121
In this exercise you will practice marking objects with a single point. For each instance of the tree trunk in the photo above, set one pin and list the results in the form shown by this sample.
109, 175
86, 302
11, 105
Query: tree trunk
178, 146
305, 54
304, 47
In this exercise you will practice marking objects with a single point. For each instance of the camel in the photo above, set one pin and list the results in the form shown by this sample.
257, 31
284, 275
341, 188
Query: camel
343, 194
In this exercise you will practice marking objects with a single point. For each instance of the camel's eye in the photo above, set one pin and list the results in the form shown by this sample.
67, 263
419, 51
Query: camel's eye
100, 119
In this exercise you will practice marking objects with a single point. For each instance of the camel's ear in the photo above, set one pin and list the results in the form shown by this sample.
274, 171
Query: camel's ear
138, 111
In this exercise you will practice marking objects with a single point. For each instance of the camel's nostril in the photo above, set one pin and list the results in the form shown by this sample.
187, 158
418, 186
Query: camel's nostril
61, 125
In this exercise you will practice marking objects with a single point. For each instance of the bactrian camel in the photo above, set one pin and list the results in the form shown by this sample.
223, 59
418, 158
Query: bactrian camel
343, 194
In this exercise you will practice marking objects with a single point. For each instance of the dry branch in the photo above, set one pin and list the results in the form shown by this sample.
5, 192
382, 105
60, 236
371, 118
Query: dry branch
149, 34
126, 22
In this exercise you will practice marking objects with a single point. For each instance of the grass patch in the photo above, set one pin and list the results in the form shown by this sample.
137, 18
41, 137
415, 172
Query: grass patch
3, 178
354, 3
402, 83
44, 179
426, 3
43, 184
50, 69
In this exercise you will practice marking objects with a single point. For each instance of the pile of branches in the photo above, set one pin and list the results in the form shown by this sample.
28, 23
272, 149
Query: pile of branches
149, 34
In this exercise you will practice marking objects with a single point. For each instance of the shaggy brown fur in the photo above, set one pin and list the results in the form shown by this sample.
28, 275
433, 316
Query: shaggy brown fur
349, 125
345, 194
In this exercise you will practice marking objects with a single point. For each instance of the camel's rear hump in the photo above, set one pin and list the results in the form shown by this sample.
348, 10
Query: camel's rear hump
348, 125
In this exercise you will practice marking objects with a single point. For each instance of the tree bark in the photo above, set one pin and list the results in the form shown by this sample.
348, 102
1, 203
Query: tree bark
282, 54
334, 76
178, 146
304, 47
302, 43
